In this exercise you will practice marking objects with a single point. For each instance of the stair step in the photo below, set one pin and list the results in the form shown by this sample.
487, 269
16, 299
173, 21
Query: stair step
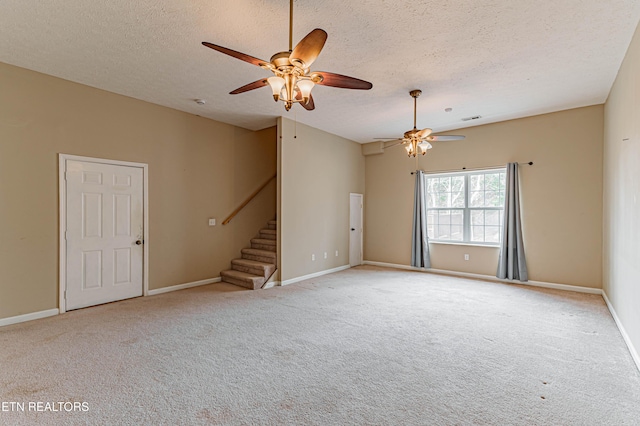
253, 267
273, 224
268, 234
263, 244
242, 279
266, 256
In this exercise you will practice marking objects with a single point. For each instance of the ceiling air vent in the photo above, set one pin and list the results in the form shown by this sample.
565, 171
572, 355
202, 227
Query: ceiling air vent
475, 117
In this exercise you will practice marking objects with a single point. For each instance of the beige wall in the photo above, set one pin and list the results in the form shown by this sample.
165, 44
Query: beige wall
198, 168
317, 172
561, 195
622, 194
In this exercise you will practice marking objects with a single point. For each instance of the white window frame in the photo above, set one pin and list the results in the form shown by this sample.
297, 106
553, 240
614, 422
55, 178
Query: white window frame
466, 210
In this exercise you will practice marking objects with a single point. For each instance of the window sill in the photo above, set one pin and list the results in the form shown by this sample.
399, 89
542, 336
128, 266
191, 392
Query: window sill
451, 243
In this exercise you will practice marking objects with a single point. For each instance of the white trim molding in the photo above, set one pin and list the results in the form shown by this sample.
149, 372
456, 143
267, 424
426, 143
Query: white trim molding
183, 286
53, 312
314, 275
625, 336
565, 287
62, 201
29, 317
272, 281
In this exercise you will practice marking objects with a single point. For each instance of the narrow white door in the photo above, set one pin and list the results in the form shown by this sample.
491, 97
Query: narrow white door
104, 230
355, 229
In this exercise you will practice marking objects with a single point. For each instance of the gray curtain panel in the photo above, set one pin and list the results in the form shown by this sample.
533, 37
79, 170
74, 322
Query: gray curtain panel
419, 239
512, 263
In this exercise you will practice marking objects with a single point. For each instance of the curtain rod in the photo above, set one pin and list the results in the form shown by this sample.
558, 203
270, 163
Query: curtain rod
464, 169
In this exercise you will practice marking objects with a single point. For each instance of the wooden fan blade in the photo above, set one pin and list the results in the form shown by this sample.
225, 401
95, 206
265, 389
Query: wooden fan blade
308, 49
255, 85
393, 143
436, 138
342, 81
309, 106
235, 54
423, 133
385, 139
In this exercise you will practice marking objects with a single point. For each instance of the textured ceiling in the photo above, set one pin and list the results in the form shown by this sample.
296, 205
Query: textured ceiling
500, 59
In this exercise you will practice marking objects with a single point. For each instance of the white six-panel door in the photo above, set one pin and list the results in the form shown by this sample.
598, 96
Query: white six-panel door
104, 233
355, 229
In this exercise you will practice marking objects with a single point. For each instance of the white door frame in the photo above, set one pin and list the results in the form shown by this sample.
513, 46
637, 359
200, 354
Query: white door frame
62, 200
361, 227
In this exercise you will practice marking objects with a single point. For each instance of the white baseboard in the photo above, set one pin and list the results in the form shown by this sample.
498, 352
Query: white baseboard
314, 275
28, 317
183, 286
625, 336
272, 281
555, 286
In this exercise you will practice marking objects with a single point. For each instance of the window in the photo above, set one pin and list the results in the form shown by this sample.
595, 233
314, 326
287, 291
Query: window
466, 207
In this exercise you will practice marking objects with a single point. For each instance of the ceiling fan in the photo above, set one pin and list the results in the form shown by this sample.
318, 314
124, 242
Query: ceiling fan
293, 80
414, 138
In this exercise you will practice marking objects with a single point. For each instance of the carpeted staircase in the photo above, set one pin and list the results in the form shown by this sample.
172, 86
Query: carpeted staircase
258, 263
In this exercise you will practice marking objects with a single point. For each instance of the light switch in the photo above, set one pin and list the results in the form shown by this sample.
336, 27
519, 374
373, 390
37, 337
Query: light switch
212, 222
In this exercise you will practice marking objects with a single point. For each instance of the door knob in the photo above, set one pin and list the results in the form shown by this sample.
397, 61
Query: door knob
353, 229
139, 242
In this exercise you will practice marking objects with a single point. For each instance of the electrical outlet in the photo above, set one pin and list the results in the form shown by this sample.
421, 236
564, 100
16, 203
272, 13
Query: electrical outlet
336, 253
212, 222
466, 257
325, 254
313, 257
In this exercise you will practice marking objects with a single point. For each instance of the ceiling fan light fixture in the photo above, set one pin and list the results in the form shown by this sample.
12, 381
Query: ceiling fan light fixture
305, 87
293, 80
415, 138
276, 83
415, 145
409, 149
424, 146
288, 93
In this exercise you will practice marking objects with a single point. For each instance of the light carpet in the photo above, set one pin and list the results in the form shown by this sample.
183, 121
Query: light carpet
367, 345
